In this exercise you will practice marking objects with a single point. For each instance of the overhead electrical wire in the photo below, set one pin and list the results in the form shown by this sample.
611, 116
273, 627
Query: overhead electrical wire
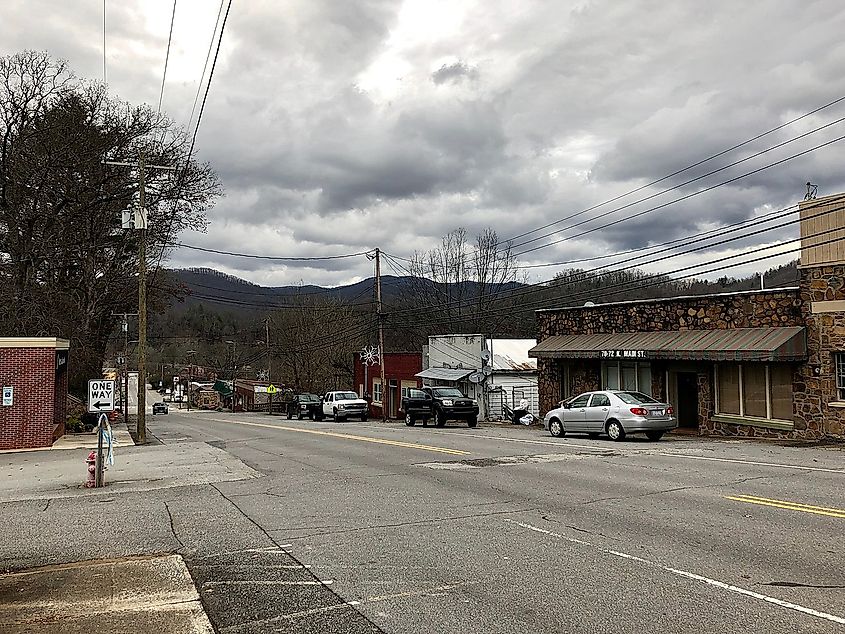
280, 258
558, 281
205, 65
167, 56
689, 167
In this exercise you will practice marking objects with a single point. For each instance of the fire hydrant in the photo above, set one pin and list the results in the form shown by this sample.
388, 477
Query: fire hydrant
91, 481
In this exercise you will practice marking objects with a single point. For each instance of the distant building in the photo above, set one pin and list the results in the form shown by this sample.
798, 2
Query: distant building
33, 377
400, 369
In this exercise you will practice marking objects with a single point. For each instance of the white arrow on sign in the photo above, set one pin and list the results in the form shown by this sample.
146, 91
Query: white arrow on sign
100, 395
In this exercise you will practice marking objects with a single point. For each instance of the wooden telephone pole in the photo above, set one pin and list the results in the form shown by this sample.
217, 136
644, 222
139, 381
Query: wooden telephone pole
140, 224
384, 388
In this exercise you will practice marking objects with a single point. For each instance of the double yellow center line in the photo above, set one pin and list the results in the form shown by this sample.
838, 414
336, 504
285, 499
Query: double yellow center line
379, 441
789, 506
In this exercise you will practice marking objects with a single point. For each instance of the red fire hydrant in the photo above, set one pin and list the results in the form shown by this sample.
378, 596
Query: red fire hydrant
91, 481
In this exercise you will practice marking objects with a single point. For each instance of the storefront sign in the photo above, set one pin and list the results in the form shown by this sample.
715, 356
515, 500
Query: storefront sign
623, 354
8, 395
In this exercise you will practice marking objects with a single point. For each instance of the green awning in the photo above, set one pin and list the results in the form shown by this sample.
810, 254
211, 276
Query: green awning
223, 389
733, 344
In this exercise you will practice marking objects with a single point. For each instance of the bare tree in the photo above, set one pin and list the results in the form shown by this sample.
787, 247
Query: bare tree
463, 285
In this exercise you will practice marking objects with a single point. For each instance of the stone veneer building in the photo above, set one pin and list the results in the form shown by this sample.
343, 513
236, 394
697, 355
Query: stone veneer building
753, 363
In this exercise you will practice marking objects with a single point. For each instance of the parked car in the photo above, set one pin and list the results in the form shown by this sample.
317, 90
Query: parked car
159, 408
616, 413
305, 406
341, 405
440, 404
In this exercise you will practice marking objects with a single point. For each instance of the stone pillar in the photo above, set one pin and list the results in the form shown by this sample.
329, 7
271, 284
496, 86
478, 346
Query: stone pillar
549, 378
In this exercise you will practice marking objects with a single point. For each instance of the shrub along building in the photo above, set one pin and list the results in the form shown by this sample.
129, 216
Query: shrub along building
751, 363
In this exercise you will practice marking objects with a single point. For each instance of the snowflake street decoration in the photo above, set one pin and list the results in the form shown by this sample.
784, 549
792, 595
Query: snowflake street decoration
369, 355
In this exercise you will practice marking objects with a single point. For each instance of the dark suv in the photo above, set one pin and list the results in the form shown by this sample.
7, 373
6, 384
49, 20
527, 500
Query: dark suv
305, 406
441, 404
159, 408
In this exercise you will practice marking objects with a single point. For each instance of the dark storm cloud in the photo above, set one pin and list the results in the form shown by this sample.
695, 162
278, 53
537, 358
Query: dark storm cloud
341, 126
456, 71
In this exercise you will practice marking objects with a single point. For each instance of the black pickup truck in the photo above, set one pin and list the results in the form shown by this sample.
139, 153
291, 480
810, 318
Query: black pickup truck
440, 404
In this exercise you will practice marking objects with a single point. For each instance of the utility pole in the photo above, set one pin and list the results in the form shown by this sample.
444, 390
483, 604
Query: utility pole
384, 388
142, 304
140, 224
125, 378
267, 343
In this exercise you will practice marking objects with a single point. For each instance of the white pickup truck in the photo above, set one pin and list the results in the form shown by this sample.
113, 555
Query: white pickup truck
343, 405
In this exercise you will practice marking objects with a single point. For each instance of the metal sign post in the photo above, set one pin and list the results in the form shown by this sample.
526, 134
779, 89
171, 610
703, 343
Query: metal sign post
98, 465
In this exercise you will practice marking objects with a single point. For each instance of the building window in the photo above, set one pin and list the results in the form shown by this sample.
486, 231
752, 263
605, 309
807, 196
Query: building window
839, 358
755, 390
377, 391
634, 377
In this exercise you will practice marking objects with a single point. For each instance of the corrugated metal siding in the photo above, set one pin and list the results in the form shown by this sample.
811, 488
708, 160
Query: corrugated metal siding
823, 220
444, 374
737, 344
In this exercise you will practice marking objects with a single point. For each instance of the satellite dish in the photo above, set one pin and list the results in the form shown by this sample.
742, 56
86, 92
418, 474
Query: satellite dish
476, 377
487, 370
485, 355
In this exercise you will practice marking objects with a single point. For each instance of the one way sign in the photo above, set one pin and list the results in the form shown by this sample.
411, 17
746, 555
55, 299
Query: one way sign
100, 395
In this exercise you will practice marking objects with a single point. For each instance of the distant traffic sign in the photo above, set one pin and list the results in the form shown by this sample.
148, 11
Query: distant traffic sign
100, 395
271, 389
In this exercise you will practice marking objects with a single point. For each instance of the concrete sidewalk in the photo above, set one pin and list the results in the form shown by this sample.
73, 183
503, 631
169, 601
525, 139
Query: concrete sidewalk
59, 474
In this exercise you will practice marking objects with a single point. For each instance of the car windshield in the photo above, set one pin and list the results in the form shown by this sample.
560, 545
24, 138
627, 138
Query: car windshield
345, 396
308, 398
635, 398
448, 392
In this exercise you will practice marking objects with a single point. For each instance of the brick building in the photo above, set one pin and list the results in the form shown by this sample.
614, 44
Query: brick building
400, 369
33, 375
755, 363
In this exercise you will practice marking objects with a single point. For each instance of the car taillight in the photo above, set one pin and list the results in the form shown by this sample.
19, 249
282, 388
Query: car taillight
670, 411
639, 411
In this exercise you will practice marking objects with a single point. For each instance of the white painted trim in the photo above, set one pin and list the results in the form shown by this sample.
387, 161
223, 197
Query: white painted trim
34, 342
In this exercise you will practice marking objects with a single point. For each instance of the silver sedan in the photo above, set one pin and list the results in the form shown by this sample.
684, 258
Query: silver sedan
612, 412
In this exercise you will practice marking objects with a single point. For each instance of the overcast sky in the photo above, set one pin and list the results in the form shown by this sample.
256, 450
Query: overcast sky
342, 125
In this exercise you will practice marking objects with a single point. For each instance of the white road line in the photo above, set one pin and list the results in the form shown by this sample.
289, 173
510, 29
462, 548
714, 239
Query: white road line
262, 582
689, 575
751, 462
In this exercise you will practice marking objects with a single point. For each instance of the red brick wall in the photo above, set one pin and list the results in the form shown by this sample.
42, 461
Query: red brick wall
30, 420
399, 366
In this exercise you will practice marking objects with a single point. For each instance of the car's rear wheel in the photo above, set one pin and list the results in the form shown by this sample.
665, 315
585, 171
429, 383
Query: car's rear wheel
556, 428
472, 421
654, 435
410, 421
615, 430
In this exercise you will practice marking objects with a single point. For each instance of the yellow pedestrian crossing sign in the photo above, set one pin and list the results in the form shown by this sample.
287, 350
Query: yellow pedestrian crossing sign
271, 389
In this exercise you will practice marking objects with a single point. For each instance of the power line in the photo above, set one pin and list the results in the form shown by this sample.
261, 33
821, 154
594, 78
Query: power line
693, 165
557, 281
205, 65
167, 56
208, 85
256, 256
687, 196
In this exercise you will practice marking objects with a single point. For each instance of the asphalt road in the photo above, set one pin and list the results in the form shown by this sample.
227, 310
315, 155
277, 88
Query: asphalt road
501, 529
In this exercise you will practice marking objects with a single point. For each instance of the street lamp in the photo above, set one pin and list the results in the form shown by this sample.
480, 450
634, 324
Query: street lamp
190, 354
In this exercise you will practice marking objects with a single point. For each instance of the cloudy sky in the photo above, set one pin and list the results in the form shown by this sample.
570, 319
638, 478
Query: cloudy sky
341, 125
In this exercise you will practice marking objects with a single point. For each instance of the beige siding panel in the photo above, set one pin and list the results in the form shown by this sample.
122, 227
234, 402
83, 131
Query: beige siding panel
825, 217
